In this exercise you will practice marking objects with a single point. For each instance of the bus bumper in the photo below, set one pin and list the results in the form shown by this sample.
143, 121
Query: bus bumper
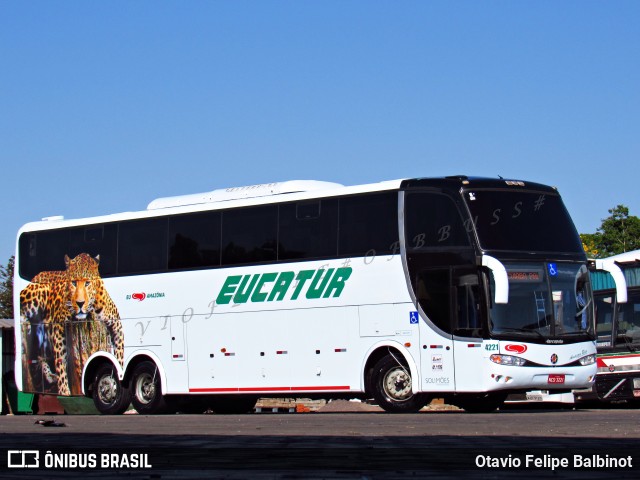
534, 378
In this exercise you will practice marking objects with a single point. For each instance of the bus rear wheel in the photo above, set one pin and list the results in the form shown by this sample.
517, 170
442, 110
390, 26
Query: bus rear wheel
392, 387
110, 395
147, 390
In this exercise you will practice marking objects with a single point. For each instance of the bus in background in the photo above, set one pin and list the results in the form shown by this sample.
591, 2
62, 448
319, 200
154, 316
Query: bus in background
460, 288
618, 333
616, 285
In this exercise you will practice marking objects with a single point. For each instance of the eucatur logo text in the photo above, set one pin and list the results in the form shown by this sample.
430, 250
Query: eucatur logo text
269, 287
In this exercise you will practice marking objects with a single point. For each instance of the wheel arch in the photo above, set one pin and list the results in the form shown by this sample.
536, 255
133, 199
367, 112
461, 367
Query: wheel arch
380, 350
91, 366
147, 356
98, 359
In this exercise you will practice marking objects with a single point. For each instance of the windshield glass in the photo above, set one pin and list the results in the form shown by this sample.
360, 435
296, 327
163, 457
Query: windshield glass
545, 300
604, 317
628, 328
522, 220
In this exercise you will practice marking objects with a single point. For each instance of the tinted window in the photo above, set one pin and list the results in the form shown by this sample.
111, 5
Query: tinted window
432, 220
604, 314
142, 246
521, 220
45, 251
308, 230
628, 328
96, 240
249, 235
454, 310
368, 225
433, 292
194, 241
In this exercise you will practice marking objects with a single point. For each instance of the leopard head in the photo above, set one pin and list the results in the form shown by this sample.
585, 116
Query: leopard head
82, 279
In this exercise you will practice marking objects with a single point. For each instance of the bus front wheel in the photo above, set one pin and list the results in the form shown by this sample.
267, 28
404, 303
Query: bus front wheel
147, 390
392, 387
110, 395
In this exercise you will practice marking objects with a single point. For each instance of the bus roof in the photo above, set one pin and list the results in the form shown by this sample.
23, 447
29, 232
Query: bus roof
633, 256
248, 191
232, 197
276, 192
629, 262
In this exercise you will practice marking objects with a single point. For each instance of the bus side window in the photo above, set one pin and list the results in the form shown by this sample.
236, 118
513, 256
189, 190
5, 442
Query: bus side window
96, 240
194, 241
433, 221
142, 246
43, 251
308, 230
467, 299
249, 235
604, 314
433, 291
450, 297
368, 225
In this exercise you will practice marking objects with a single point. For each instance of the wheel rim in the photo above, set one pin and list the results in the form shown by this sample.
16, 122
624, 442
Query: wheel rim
108, 389
397, 384
145, 388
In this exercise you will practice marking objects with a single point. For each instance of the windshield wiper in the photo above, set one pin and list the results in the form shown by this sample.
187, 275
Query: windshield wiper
518, 330
574, 334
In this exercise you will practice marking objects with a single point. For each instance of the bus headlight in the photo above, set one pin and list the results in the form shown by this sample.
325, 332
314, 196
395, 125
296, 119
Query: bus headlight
588, 360
508, 360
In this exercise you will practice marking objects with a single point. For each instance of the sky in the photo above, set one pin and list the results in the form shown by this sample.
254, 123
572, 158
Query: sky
105, 106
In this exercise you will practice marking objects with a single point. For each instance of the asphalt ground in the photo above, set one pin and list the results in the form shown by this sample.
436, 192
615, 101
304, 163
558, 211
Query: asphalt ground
550, 443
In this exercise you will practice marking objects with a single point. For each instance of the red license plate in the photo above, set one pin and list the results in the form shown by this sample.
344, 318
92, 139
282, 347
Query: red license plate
555, 379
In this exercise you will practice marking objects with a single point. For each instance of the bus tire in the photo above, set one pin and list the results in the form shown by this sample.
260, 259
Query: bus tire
110, 395
146, 390
391, 384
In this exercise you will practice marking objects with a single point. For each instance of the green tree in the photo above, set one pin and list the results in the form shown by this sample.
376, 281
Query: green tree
6, 289
591, 244
619, 233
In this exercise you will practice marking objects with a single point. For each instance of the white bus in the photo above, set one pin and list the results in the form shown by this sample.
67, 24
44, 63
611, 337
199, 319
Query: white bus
617, 302
461, 288
616, 290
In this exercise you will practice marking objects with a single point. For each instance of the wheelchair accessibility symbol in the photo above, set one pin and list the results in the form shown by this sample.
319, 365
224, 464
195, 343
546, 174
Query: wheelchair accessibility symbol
553, 269
413, 318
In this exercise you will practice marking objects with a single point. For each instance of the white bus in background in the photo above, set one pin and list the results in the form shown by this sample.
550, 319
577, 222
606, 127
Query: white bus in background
616, 289
618, 333
457, 287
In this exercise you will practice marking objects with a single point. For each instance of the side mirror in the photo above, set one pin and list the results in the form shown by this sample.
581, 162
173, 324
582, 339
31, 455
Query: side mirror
500, 278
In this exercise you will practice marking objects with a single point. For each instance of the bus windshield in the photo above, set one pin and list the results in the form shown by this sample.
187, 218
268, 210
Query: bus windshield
522, 220
545, 300
626, 318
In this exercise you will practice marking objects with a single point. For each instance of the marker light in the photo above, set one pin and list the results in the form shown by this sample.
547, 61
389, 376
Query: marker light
509, 360
588, 360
